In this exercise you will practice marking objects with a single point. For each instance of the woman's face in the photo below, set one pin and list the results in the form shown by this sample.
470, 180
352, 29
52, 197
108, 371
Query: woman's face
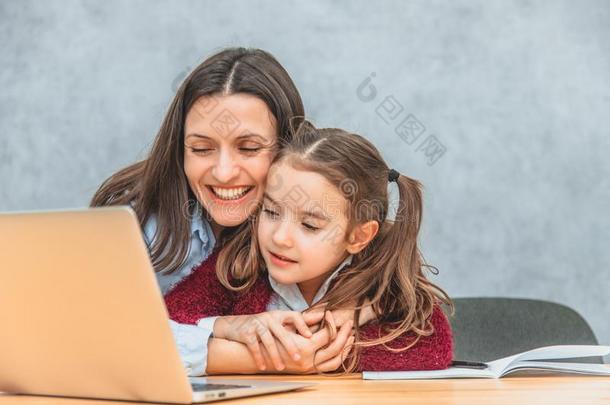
228, 148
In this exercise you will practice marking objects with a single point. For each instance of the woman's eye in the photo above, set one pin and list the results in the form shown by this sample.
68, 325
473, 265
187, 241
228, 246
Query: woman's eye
250, 150
200, 150
310, 227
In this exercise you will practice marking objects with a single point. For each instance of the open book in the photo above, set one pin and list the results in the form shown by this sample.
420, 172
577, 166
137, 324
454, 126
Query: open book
526, 361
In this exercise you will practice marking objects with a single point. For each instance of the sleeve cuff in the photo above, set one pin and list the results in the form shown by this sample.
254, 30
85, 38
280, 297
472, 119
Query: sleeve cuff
208, 324
192, 343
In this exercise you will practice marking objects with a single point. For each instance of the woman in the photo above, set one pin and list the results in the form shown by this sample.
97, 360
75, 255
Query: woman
205, 174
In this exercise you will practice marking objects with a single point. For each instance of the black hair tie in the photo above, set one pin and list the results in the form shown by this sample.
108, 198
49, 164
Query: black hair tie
393, 175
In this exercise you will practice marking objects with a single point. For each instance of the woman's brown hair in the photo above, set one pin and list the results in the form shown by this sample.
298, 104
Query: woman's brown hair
389, 272
157, 185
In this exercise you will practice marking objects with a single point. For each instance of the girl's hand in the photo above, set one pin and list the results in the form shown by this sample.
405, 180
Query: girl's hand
340, 316
268, 327
327, 359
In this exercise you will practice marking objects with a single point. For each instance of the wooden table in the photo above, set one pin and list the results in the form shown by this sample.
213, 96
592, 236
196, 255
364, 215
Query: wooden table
351, 389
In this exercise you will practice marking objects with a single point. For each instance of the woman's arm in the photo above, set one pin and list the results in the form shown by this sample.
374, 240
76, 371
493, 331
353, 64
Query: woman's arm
432, 352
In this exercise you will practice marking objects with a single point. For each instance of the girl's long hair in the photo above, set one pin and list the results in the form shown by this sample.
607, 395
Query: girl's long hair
157, 185
389, 272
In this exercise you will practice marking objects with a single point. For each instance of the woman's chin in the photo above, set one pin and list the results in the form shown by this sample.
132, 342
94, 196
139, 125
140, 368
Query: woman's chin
228, 221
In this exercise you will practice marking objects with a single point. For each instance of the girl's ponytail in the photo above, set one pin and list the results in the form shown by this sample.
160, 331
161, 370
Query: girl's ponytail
399, 291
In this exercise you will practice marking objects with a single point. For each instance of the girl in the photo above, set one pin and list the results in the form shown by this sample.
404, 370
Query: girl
206, 171
323, 241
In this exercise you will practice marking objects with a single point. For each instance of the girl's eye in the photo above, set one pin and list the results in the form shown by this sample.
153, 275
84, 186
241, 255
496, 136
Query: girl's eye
310, 227
272, 214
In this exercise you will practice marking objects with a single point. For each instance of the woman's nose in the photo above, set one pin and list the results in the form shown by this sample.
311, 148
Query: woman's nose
225, 168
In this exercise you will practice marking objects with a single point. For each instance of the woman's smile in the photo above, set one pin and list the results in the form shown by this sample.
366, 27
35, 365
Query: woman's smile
230, 193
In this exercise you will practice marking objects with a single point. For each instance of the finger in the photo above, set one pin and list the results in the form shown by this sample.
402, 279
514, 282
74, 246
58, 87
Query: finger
290, 328
329, 365
255, 349
269, 343
320, 338
286, 340
313, 317
330, 324
299, 321
337, 345
336, 362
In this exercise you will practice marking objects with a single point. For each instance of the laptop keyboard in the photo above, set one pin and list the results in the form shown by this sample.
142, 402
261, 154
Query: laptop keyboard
212, 387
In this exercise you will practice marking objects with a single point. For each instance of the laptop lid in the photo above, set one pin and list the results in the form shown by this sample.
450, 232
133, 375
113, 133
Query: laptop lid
80, 309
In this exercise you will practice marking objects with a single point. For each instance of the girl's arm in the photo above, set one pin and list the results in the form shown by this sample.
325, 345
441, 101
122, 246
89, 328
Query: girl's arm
228, 357
432, 352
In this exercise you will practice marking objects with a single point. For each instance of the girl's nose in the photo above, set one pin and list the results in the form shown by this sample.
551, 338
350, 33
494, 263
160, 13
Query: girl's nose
225, 168
282, 234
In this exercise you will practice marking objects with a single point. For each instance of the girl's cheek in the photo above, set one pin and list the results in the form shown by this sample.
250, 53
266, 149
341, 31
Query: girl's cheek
261, 231
312, 242
266, 228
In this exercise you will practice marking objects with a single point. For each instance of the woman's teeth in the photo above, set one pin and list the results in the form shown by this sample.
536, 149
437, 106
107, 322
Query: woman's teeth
230, 193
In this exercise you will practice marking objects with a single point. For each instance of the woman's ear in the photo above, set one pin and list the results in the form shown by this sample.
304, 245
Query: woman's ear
361, 235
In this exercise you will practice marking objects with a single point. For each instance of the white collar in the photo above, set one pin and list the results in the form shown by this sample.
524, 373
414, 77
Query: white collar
292, 296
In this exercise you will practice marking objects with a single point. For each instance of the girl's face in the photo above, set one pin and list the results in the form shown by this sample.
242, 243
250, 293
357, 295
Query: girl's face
228, 148
302, 227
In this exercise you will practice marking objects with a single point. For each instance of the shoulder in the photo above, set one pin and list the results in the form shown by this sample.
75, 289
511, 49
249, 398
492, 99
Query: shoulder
441, 329
199, 229
439, 321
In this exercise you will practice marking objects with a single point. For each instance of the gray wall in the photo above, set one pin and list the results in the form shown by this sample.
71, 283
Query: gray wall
511, 100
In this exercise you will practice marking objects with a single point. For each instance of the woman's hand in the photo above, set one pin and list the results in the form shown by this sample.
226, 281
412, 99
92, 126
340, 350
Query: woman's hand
327, 354
270, 328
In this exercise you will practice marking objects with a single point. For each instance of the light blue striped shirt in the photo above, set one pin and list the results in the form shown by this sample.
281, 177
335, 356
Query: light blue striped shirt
191, 340
202, 244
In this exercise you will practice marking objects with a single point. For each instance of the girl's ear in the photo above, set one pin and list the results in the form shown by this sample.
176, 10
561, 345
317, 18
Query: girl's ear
361, 235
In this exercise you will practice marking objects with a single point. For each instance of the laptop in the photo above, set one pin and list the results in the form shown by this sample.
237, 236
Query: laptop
81, 314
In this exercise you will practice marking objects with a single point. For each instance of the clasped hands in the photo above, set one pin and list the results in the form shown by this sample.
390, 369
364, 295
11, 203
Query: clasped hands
290, 341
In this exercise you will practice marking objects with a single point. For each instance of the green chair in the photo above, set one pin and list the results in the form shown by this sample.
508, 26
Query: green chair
487, 329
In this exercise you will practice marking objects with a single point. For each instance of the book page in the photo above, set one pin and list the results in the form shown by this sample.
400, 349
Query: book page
571, 368
501, 366
563, 352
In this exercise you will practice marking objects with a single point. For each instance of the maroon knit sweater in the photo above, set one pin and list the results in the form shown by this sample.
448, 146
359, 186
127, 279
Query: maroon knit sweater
202, 295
